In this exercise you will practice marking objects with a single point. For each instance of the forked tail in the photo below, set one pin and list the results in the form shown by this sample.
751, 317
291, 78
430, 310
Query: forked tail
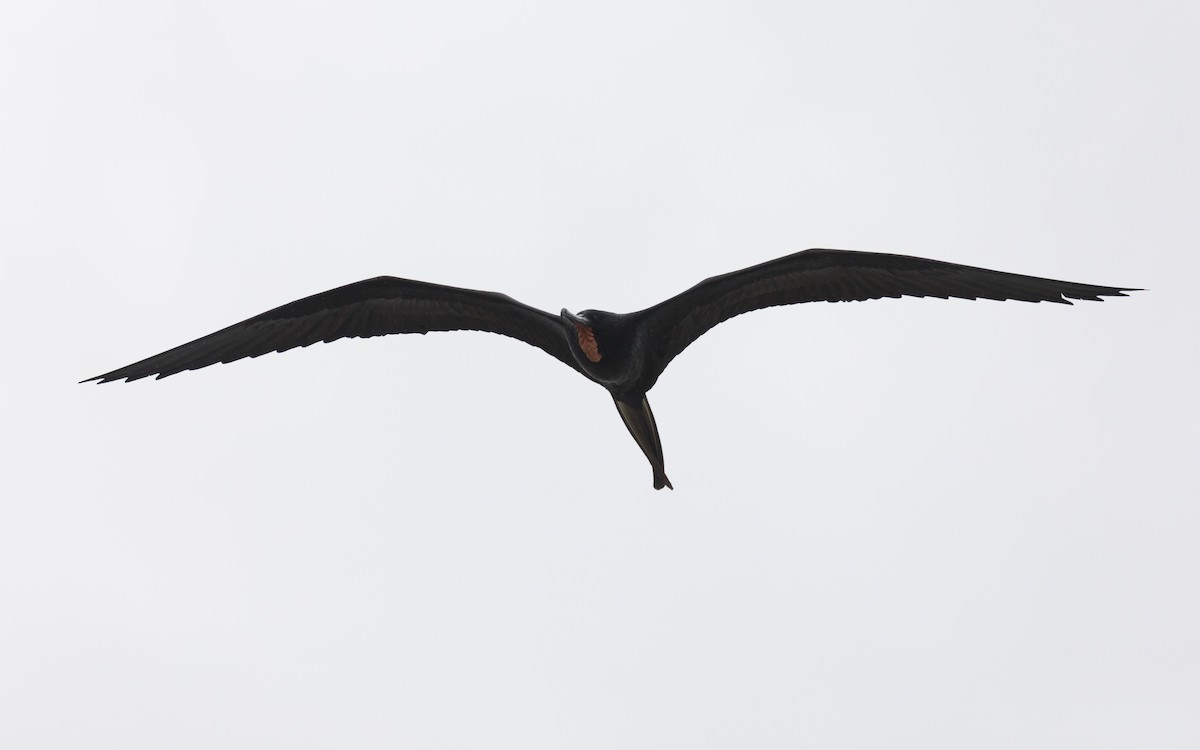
640, 421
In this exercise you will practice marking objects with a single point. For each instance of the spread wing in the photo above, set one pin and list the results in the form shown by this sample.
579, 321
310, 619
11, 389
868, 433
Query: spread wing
375, 307
837, 276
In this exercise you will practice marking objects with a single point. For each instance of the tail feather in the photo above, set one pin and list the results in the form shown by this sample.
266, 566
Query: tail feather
640, 422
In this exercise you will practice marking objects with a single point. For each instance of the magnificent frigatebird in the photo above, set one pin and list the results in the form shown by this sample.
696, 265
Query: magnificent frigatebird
624, 353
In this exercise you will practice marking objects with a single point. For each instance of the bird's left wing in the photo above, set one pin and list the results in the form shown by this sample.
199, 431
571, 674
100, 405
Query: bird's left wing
836, 276
374, 307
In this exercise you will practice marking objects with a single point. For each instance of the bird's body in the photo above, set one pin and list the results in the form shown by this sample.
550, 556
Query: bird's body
625, 353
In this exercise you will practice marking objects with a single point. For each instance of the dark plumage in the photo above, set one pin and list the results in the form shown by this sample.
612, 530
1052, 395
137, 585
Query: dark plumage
624, 353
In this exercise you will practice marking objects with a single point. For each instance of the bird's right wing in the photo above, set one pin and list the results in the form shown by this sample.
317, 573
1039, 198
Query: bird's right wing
836, 276
375, 307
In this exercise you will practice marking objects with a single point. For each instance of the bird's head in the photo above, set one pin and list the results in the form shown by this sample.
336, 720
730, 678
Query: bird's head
597, 338
584, 343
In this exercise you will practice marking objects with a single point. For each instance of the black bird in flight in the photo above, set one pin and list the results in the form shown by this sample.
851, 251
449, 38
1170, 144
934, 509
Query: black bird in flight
624, 353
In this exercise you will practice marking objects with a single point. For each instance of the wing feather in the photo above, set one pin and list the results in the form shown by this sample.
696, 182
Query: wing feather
374, 307
837, 276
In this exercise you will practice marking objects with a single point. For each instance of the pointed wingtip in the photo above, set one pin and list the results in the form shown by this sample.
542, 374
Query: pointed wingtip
1119, 291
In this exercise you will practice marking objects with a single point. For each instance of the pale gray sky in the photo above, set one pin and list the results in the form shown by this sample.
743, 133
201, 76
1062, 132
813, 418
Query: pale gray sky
896, 524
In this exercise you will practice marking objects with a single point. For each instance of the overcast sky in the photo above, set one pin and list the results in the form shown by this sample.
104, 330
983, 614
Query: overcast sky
910, 523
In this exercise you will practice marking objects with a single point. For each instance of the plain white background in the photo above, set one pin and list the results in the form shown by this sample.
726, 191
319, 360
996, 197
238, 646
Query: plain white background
909, 523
